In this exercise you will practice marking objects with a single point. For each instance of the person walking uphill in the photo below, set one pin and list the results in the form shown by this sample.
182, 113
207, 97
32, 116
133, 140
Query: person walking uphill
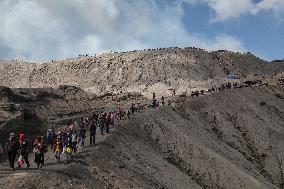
12, 147
108, 122
101, 121
93, 133
51, 137
58, 148
82, 136
74, 137
39, 149
24, 150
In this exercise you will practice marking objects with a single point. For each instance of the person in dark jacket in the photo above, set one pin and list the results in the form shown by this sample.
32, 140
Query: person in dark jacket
82, 136
1, 149
24, 145
93, 129
12, 147
128, 114
163, 100
74, 139
108, 122
51, 138
101, 121
132, 109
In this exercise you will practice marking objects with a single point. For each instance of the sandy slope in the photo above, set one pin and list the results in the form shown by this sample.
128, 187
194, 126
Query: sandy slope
226, 140
223, 140
139, 71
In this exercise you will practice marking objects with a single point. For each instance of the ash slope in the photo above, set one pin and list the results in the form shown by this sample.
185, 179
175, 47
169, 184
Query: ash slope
138, 71
224, 140
34, 110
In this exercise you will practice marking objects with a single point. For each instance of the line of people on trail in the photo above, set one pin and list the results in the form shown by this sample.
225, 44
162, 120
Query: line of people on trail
20, 146
228, 86
62, 142
68, 140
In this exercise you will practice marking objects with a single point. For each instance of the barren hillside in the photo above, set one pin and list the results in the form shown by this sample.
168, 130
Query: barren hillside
139, 71
228, 139
34, 110
231, 139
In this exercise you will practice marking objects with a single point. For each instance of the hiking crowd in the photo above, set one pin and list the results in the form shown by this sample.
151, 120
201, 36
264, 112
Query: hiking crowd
228, 86
66, 142
63, 141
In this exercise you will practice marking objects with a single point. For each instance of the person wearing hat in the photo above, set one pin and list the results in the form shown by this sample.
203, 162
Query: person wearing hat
12, 147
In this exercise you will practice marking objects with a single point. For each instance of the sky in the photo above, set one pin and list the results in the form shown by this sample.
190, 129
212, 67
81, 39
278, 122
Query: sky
44, 30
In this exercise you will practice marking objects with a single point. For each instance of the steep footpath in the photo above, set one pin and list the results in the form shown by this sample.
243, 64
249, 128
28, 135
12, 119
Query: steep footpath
229, 139
34, 110
224, 140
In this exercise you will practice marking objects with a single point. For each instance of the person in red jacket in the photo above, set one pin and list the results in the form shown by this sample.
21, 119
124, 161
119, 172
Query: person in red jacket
12, 147
24, 150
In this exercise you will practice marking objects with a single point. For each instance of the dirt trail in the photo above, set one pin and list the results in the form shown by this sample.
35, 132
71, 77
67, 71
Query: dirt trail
224, 140
53, 174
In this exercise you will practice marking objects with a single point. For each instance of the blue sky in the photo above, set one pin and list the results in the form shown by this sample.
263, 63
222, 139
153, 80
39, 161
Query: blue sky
262, 34
41, 30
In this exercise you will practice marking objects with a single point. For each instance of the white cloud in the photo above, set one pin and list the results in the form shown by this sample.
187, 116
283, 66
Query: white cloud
231, 9
44, 29
225, 42
277, 6
226, 9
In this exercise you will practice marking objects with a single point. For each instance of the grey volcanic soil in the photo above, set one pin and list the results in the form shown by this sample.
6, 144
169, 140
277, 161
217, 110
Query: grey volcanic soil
224, 140
33, 110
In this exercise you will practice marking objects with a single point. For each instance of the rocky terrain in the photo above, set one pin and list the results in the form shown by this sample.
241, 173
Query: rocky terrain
229, 139
139, 71
34, 110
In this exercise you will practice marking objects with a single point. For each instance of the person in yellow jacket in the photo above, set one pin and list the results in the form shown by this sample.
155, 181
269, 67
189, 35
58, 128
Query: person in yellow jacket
58, 148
